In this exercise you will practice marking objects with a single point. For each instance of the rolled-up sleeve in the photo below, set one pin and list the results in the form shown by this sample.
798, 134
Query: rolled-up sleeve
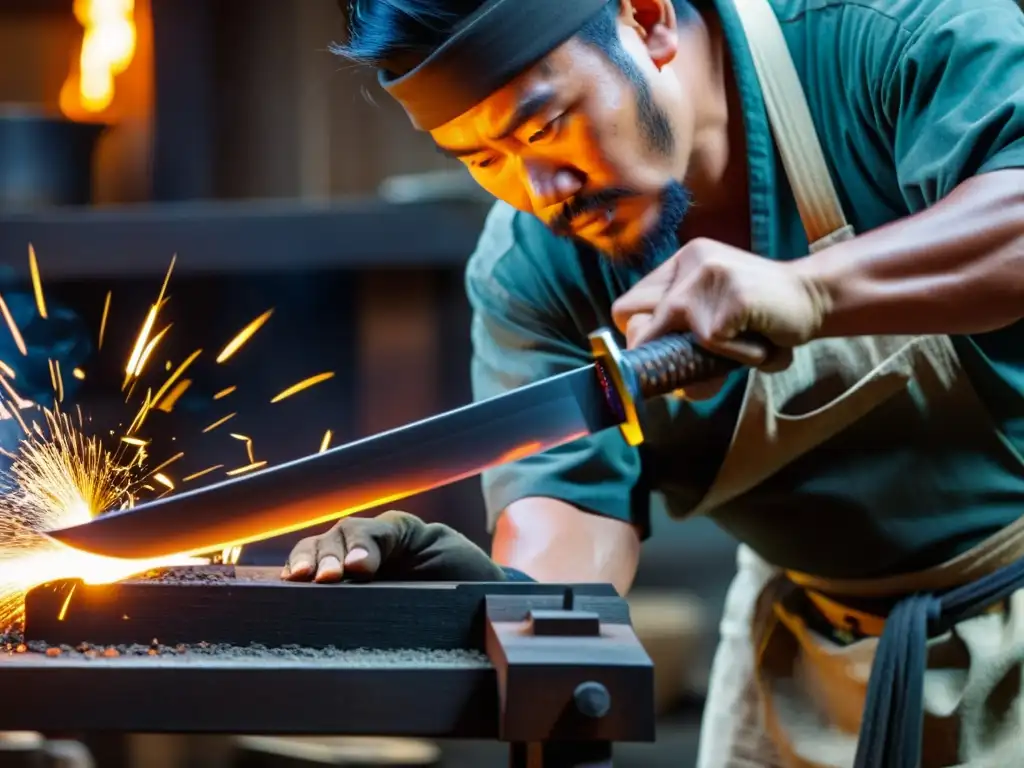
955, 98
523, 330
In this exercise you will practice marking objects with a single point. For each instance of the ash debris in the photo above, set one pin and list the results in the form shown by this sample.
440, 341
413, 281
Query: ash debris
210, 574
13, 642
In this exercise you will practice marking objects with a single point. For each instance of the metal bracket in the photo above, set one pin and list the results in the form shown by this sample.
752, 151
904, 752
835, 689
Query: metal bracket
572, 674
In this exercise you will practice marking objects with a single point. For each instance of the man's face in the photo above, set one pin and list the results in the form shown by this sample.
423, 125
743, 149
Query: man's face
581, 145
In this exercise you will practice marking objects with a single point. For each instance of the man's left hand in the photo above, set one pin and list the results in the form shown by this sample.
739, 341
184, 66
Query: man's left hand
720, 293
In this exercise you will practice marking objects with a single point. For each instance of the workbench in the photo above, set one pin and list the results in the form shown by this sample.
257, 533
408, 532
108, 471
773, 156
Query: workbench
554, 671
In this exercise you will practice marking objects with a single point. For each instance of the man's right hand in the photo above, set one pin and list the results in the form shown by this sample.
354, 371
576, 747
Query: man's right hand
394, 546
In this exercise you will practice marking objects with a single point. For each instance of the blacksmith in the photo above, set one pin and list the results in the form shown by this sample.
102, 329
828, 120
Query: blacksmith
842, 177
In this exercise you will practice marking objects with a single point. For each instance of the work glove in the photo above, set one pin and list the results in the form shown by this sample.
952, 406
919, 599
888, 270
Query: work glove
394, 546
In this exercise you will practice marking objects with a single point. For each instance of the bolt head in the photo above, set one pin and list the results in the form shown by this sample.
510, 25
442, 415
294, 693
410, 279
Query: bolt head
592, 700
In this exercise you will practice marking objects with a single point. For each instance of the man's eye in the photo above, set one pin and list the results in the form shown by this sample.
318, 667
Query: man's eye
547, 132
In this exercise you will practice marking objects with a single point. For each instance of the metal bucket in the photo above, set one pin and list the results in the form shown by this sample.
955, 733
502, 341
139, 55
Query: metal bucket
45, 159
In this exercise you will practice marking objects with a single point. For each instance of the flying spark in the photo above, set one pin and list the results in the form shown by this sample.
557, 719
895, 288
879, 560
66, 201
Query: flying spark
63, 473
19, 342
58, 478
304, 384
37, 283
243, 336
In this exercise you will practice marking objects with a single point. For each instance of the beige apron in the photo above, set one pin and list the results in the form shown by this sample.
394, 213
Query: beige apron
780, 694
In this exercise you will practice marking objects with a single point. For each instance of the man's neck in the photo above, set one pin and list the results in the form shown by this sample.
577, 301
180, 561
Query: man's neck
717, 173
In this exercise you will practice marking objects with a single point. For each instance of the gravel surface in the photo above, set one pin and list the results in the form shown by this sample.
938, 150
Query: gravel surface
11, 644
12, 641
207, 574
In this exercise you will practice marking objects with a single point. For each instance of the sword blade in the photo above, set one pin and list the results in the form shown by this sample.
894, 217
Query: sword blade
350, 478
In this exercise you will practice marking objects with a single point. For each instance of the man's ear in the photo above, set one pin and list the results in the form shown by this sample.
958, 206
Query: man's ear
656, 24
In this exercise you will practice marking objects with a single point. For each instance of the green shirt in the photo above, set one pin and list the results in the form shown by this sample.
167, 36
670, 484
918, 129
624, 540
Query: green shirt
910, 98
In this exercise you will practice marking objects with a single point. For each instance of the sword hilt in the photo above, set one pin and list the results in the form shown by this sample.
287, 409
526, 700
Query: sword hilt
674, 362
660, 367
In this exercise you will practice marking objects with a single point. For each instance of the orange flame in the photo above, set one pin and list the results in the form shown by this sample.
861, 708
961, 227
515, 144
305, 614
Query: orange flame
108, 47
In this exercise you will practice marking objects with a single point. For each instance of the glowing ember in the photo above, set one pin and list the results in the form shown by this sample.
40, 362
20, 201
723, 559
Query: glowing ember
37, 283
243, 336
62, 471
61, 477
19, 342
103, 320
200, 473
225, 392
304, 384
218, 422
247, 468
167, 404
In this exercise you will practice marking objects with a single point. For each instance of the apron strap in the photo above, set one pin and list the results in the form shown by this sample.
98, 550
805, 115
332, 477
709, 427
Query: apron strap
791, 122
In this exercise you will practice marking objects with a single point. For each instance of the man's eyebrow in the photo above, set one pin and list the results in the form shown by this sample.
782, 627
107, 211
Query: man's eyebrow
526, 110
457, 152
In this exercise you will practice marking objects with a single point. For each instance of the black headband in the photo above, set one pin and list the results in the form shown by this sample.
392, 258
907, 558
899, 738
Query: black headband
490, 49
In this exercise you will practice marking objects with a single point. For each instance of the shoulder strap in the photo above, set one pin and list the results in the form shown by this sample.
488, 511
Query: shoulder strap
790, 118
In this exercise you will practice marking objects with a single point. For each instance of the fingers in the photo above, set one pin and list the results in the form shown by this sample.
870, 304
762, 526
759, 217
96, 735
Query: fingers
352, 548
639, 302
302, 561
318, 558
644, 297
746, 352
330, 552
704, 390
667, 317
636, 328
778, 359
364, 538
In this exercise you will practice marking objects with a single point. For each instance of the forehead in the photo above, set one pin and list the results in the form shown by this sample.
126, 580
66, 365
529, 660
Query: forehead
556, 77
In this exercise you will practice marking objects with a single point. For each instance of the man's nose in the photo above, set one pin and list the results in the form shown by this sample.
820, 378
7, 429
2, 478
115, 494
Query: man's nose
549, 184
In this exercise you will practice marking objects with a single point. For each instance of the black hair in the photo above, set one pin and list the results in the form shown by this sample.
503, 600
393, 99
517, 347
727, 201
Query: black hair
396, 35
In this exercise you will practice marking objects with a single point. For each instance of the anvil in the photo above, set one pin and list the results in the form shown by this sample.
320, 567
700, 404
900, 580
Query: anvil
546, 665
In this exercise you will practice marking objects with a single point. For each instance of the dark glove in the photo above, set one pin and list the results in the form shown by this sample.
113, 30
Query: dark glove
394, 546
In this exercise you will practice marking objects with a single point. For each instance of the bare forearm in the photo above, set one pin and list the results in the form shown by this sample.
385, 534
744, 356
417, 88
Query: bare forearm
552, 541
957, 268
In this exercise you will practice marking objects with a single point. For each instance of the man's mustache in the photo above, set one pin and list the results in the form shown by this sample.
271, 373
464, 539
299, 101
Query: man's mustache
582, 204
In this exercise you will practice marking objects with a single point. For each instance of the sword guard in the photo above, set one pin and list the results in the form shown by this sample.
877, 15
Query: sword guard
660, 367
619, 377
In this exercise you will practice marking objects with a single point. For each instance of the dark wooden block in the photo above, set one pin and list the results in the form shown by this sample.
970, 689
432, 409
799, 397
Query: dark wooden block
369, 656
244, 605
434, 694
582, 688
563, 623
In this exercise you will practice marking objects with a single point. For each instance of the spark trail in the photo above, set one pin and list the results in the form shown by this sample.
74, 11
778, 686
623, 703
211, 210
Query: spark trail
64, 472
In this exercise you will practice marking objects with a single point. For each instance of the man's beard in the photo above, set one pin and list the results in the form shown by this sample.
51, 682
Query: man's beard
662, 240
655, 245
